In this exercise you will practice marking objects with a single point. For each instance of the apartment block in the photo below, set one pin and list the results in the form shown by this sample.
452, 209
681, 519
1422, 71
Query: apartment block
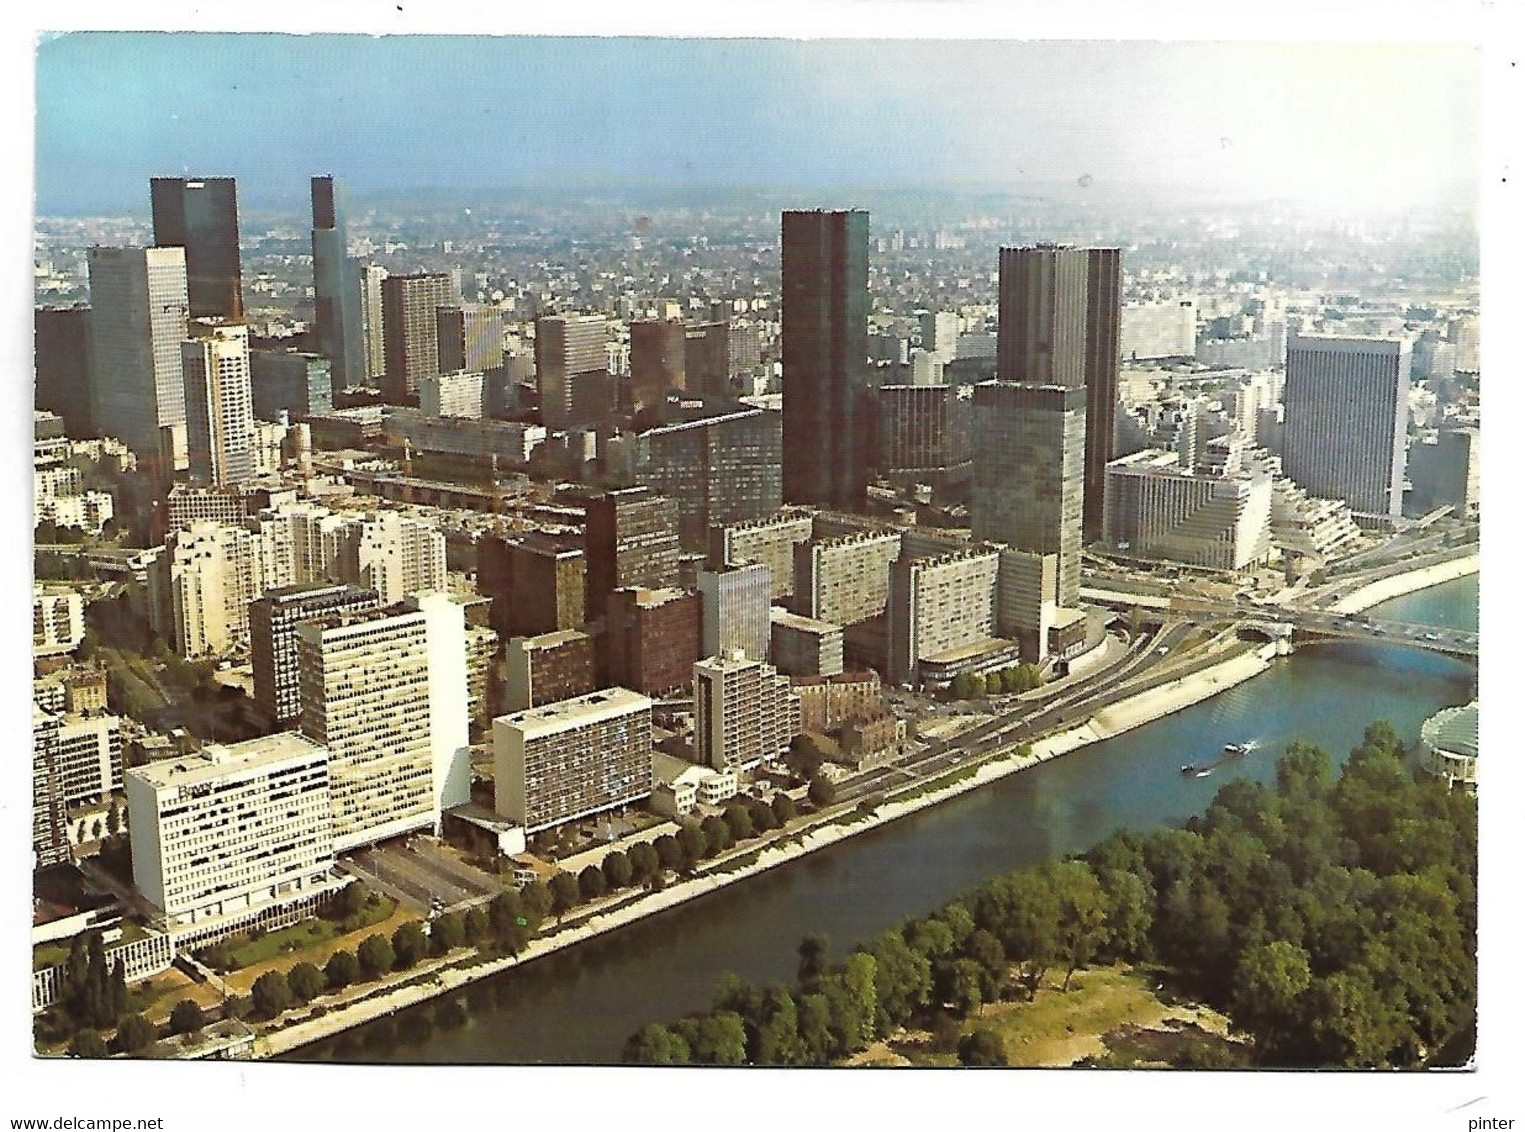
828, 702
802, 646
744, 712
550, 667
939, 606
273, 621
451, 394
58, 620
1158, 510
769, 541
50, 830
845, 579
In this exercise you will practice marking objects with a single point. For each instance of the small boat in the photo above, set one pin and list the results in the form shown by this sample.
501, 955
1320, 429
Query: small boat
1203, 773
1234, 750
1188, 769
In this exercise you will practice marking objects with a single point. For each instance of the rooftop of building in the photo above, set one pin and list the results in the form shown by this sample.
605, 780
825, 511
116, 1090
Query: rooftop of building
777, 615
1453, 730
216, 760
550, 640
580, 710
648, 599
865, 677
966, 652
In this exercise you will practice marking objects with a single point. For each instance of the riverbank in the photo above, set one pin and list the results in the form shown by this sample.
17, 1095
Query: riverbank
1385, 589
835, 826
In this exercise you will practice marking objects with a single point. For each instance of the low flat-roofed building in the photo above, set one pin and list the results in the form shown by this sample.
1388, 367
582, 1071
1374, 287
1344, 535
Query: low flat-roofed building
1449, 743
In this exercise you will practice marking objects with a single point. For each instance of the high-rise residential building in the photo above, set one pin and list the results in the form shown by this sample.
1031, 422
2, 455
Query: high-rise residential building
1345, 432
938, 606
1464, 334
336, 287
651, 639
219, 402
734, 611
363, 679
470, 337
1158, 330
656, 359
844, 579
827, 433
233, 830
373, 322
548, 668
410, 328
939, 333
482, 684
631, 539
572, 369
138, 318
456, 395
201, 215
707, 358
63, 365
828, 702
393, 553
744, 712
563, 761
1027, 600
273, 621
50, 829
1029, 473
1156, 509
803, 646
721, 469
770, 541
290, 381
536, 586
210, 573
89, 757
58, 620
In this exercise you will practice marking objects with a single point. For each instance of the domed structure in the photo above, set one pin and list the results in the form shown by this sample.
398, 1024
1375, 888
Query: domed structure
1449, 741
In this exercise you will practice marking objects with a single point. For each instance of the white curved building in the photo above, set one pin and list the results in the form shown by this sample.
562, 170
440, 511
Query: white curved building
1449, 740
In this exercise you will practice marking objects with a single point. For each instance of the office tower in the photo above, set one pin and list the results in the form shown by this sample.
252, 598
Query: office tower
138, 318
651, 639
299, 384
717, 470
567, 760
470, 338
201, 216
1029, 473
336, 288
734, 611
803, 646
449, 719
922, 428
1346, 402
1041, 339
536, 586
1158, 330
770, 541
89, 757
456, 395
572, 369
233, 829
631, 539
707, 358
219, 405
656, 359
63, 365
410, 329
50, 829
273, 621
58, 620
1104, 283
548, 668
373, 322
825, 355
938, 607
939, 333
1157, 510
744, 712
846, 579
363, 679
1464, 334
1027, 600
1446, 472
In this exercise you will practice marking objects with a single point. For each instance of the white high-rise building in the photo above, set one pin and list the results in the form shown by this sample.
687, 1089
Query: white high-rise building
734, 610
449, 717
744, 712
1157, 510
139, 307
58, 620
394, 554
363, 678
210, 573
219, 406
456, 394
371, 324
939, 604
231, 832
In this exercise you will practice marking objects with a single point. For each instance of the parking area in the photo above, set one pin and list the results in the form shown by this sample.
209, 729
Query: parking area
424, 875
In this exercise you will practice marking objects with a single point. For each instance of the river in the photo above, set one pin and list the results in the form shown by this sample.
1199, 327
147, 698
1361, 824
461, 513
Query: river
578, 1005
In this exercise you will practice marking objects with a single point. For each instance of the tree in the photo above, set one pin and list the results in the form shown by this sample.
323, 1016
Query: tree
985, 950
783, 808
187, 1017
591, 884
982, 1048
617, 870
135, 1033
503, 911
537, 899
966, 987
812, 964
963, 686
474, 926
409, 945
87, 1043
822, 792
341, 970
96, 829
739, 819
762, 815
902, 980
238, 1006
669, 851
815, 1029
1268, 982
565, 894
691, 844
644, 862
375, 955
654, 1044
717, 835
1082, 917
720, 1039
804, 757
352, 900
777, 1038
114, 818
305, 981
272, 994
446, 933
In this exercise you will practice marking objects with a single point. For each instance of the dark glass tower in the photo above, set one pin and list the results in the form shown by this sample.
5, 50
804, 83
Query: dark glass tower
201, 216
1103, 332
336, 288
828, 419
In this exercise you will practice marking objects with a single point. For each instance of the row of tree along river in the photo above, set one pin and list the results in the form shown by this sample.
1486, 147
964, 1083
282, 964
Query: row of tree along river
579, 1005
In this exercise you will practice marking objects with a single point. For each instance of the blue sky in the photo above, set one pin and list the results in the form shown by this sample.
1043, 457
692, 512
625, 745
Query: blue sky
1318, 121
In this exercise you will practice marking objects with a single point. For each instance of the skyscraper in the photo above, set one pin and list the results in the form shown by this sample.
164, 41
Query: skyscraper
734, 612
1103, 347
137, 322
372, 324
201, 216
273, 621
656, 359
1029, 472
1346, 402
410, 329
631, 539
336, 287
572, 369
219, 408
827, 433
470, 338
63, 365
